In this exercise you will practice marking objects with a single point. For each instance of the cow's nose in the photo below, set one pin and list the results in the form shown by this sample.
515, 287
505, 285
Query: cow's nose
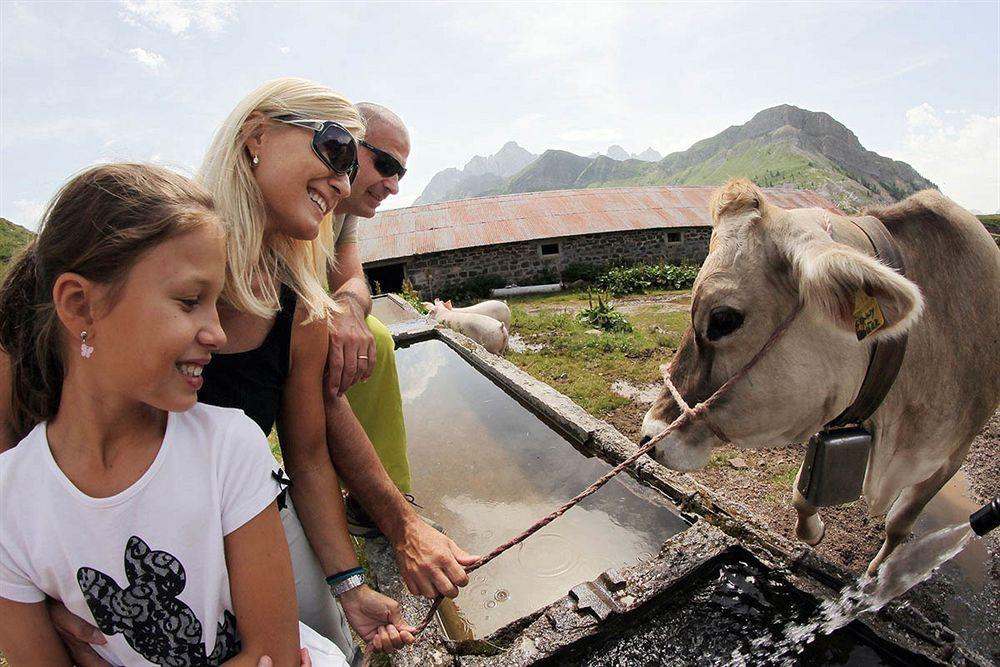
644, 440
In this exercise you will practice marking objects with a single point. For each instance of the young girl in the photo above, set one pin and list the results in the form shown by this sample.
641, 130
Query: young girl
150, 515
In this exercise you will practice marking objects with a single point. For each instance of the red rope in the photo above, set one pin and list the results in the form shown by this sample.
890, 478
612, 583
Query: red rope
687, 414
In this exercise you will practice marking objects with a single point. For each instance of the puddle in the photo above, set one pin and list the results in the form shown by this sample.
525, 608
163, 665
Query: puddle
485, 467
964, 588
390, 312
719, 620
517, 344
642, 395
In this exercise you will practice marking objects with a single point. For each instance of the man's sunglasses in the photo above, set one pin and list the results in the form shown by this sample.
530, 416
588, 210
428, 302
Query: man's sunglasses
385, 163
332, 143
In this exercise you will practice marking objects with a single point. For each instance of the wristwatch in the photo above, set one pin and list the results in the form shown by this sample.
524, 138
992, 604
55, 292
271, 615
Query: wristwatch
348, 584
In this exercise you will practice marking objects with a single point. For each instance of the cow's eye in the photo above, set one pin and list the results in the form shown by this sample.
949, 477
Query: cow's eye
723, 321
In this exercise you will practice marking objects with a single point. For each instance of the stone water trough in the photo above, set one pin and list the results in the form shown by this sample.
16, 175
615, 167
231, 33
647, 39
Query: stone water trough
653, 569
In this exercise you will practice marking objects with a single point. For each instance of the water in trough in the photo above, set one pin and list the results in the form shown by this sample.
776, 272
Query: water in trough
486, 467
389, 311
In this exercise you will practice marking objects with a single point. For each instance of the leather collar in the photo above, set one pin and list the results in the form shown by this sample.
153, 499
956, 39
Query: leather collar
886, 355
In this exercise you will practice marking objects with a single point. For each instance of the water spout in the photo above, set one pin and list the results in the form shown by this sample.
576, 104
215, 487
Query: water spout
986, 518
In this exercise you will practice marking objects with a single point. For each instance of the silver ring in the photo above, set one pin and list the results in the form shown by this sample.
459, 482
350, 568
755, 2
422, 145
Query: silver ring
361, 356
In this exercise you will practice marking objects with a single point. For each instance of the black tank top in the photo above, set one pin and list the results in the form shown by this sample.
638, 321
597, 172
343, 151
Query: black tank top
253, 381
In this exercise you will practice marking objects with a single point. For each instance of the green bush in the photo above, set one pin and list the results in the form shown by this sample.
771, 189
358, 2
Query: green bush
604, 316
478, 287
412, 296
546, 276
579, 271
641, 277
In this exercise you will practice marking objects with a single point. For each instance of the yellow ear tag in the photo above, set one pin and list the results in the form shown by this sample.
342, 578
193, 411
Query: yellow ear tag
867, 315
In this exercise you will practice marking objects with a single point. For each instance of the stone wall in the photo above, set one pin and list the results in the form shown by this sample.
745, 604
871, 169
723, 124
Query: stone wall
523, 263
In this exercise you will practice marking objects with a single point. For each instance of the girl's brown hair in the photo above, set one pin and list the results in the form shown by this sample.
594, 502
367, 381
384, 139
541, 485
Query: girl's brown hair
98, 225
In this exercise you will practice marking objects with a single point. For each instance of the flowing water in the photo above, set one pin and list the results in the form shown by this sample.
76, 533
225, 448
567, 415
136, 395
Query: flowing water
717, 619
486, 468
906, 567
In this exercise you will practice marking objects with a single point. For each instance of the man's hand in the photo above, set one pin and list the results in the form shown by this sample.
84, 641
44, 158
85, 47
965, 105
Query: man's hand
431, 562
377, 619
351, 358
77, 635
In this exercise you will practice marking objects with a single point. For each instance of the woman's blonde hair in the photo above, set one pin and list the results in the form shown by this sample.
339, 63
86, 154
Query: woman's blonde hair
227, 173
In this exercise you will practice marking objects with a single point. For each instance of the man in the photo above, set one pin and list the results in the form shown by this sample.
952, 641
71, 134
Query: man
365, 431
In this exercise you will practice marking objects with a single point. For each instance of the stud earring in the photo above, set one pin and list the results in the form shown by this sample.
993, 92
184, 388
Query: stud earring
85, 350
255, 161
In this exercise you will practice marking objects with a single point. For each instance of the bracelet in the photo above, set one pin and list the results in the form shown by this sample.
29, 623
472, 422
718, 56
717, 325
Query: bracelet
350, 583
340, 576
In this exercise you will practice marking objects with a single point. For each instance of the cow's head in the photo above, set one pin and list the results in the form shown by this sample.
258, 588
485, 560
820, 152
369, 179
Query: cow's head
762, 261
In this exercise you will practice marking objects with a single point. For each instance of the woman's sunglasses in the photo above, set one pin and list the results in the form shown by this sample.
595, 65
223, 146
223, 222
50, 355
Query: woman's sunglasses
385, 163
332, 143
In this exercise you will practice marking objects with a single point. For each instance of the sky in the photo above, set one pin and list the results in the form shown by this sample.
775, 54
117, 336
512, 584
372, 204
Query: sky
143, 80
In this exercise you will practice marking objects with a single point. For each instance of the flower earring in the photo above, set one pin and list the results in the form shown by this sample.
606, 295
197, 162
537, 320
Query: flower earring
85, 350
255, 161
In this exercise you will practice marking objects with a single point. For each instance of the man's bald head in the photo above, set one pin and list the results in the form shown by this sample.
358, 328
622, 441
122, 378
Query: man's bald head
386, 132
375, 115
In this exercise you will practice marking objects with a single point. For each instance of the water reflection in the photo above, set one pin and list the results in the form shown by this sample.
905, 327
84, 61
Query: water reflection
486, 468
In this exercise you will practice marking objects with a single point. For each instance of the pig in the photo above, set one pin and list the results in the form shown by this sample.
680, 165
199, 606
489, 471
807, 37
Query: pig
488, 332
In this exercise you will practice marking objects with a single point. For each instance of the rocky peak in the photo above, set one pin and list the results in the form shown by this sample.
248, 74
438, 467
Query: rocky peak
509, 160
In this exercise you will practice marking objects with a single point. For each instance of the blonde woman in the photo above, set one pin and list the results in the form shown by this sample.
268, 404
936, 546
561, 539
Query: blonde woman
280, 162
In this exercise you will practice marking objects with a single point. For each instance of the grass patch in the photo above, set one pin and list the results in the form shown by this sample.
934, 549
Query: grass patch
720, 459
782, 477
592, 362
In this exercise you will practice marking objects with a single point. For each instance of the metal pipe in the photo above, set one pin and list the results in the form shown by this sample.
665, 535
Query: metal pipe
986, 518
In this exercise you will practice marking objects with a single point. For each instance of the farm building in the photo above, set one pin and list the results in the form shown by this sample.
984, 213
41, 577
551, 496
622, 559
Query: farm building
533, 237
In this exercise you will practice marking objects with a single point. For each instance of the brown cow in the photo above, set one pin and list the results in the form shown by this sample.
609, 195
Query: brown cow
762, 262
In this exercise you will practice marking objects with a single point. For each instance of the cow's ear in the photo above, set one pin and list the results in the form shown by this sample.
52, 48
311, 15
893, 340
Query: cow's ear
859, 293
447, 304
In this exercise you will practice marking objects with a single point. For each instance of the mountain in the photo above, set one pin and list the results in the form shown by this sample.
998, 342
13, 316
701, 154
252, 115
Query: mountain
616, 152
783, 145
12, 238
481, 175
509, 160
648, 155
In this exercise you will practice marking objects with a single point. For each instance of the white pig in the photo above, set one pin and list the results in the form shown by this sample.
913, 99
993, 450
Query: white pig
498, 310
488, 332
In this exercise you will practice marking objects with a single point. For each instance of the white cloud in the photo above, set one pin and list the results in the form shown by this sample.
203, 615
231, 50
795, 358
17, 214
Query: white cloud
29, 213
961, 154
922, 117
148, 59
178, 16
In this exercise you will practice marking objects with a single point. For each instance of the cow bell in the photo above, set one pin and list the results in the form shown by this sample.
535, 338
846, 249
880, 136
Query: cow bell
833, 472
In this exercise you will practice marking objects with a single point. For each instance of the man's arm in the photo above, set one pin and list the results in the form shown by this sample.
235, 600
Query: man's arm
352, 344
348, 278
430, 562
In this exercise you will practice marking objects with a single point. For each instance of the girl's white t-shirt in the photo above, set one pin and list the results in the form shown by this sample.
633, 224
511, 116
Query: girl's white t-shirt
146, 566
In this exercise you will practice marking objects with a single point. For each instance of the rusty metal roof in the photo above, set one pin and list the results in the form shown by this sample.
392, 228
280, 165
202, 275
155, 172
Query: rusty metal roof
530, 216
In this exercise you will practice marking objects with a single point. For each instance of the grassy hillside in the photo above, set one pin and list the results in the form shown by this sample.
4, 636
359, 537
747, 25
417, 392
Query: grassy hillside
992, 222
12, 238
